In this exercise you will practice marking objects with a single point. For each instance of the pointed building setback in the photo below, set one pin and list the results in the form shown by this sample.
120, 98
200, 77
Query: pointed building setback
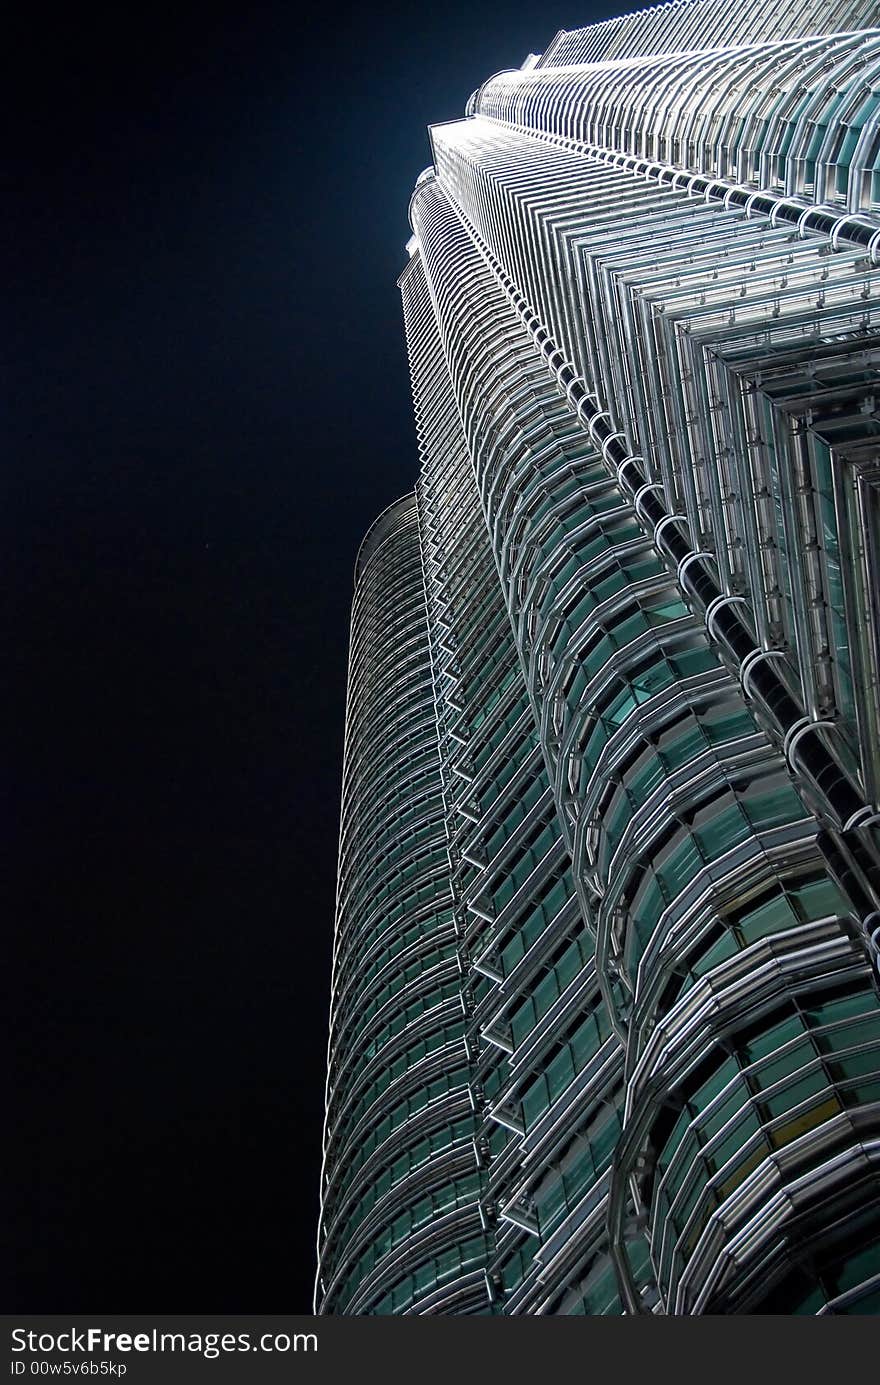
605, 1020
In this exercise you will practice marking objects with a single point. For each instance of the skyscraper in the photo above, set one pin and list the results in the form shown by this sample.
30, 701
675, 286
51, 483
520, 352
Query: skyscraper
605, 1032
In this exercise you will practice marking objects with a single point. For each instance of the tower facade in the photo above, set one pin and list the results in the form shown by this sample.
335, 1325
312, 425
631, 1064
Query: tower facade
606, 1033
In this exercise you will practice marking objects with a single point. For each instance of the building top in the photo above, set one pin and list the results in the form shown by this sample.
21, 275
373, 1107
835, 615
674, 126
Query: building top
693, 25
381, 529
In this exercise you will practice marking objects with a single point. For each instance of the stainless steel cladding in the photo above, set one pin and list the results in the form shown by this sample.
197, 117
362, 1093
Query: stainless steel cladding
641, 571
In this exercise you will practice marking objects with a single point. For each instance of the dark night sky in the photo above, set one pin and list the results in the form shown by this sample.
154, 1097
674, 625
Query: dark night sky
204, 357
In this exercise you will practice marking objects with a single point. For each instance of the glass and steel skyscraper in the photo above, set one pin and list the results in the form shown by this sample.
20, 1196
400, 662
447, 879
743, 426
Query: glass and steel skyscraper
605, 1023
